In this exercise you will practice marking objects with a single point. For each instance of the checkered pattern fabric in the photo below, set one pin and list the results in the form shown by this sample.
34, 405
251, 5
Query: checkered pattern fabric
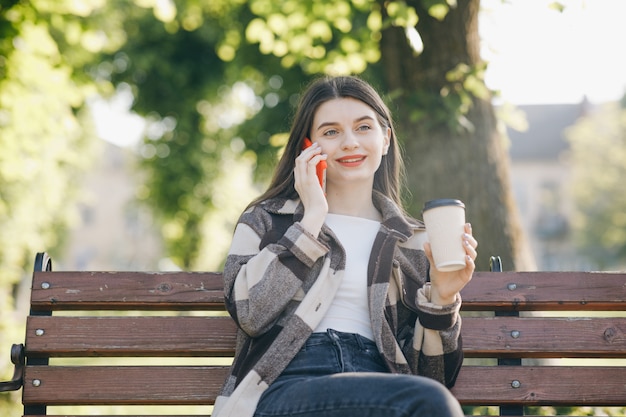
280, 281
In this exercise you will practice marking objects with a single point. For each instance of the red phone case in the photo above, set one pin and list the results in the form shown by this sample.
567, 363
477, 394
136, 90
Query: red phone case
320, 168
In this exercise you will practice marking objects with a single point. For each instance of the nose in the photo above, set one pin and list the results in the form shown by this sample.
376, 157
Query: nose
349, 141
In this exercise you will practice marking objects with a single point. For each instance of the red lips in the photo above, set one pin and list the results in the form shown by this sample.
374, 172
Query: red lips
351, 160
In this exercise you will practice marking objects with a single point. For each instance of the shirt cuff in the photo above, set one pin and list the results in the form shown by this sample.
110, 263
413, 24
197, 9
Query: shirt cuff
433, 316
303, 244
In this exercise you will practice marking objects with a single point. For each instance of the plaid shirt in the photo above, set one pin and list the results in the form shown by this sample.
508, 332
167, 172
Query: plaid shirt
279, 281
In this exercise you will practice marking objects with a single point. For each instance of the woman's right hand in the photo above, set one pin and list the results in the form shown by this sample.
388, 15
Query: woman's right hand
308, 188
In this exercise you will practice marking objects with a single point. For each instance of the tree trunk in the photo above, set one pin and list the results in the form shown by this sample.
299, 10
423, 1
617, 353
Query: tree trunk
443, 160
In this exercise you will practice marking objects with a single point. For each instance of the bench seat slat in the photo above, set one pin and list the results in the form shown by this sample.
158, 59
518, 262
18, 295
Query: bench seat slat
130, 336
541, 385
534, 291
74, 290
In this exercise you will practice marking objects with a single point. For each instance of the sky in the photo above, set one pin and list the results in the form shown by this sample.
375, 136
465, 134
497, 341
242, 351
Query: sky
536, 55
540, 55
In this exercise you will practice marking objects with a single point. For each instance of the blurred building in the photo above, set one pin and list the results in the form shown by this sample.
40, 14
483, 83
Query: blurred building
540, 176
114, 231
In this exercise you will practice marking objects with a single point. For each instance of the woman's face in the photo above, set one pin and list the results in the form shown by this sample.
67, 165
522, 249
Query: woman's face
349, 133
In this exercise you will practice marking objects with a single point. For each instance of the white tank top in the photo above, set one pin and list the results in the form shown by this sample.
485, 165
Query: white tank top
349, 311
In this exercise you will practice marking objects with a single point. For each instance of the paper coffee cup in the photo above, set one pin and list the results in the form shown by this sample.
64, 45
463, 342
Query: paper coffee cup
445, 224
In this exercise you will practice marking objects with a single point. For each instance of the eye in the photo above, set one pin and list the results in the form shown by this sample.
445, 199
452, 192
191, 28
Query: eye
331, 132
364, 128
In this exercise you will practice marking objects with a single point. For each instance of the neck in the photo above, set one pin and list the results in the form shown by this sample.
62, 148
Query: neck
353, 202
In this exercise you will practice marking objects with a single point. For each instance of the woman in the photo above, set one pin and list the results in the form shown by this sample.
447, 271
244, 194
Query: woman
339, 310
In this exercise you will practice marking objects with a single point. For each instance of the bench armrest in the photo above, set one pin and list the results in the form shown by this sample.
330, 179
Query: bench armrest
17, 357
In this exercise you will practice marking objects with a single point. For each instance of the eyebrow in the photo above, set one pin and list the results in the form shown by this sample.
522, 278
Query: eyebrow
360, 119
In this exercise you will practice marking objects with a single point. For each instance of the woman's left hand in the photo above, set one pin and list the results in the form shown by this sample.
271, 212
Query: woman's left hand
446, 285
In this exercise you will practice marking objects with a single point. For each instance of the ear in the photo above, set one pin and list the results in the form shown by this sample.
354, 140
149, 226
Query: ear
386, 141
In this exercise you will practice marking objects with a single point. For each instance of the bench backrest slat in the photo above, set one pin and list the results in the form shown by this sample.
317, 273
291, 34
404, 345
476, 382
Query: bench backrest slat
117, 385
509, 337
204, 291
559, 386
533, 291
130, 336
127, 291
215, 336
197, 385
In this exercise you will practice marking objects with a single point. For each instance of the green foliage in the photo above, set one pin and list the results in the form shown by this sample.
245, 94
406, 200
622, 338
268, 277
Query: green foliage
43, 138
449, 106
45, 141
335, 37
196, 96
177, 156
438, 8
218, 77
598, 156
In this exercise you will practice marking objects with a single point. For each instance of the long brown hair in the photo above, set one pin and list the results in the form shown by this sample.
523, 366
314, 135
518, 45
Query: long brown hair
388, 177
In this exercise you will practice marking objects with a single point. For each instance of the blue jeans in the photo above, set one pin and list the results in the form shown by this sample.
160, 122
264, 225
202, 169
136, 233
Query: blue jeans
343, 375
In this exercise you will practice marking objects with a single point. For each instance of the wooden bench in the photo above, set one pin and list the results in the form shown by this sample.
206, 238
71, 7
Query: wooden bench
122, 339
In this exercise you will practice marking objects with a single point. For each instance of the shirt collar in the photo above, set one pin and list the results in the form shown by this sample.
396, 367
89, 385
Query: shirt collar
393, 218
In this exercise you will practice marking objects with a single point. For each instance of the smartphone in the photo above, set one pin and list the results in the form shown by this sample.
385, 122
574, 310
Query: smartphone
320, 168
